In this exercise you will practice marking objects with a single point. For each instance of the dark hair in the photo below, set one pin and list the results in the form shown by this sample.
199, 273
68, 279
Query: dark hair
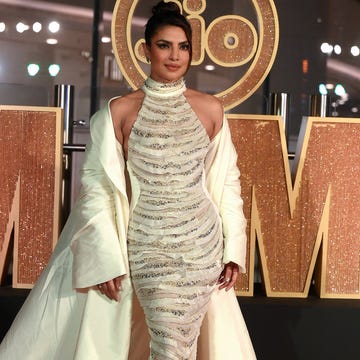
167, 14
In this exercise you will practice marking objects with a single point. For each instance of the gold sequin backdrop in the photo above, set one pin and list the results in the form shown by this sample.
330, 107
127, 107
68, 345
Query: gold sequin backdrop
229, 41
30, 176
309, 225
306, 228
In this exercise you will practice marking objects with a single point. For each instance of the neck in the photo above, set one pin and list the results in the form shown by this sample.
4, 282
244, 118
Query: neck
158, 89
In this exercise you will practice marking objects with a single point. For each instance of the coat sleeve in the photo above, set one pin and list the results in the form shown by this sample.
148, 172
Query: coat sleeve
97, 255
223, 183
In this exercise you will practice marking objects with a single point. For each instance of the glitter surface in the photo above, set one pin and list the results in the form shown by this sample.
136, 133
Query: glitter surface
268, 34
289, 243
229, 42
239, 49
121, 34
194, 5
28, 146
197, 52
332, 162
261, 164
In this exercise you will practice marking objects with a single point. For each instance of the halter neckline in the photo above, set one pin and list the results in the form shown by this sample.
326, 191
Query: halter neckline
164, 90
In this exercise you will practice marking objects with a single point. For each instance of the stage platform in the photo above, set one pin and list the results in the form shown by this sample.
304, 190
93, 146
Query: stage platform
280, 328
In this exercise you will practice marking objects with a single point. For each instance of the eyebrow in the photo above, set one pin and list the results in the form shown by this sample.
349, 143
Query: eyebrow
169, 42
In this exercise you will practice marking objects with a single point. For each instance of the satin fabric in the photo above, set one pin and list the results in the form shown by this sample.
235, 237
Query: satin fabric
57, 322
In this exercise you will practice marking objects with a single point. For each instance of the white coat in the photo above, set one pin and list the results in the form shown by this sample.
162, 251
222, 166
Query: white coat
57, 322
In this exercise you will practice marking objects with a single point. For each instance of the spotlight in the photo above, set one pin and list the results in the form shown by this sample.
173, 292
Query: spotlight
54, 27
51, 41
37, 27
322, 89
326, 48
54, 69
337, 49
33, 69
209, 67
21, 27
339, 90
105, 39
355, 51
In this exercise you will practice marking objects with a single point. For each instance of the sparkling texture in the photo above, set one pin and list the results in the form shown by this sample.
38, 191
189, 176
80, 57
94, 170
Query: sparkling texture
261, 52
175, 240
332, 162
285, 241
28, 160
243, 48
194, 5
329, 165
268, 34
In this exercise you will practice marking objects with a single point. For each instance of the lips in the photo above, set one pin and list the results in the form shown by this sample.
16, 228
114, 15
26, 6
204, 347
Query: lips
172, 67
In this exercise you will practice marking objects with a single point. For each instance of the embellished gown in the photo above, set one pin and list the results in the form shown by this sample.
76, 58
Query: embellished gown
175, 248
175, 243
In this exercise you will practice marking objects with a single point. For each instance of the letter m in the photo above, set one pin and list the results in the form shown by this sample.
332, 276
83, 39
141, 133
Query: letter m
30, 179
313, 220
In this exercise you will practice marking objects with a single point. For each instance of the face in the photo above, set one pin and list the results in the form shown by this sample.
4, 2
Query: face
169, 53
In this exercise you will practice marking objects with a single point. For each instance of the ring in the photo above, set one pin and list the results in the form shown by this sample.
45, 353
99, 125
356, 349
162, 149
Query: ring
227, 279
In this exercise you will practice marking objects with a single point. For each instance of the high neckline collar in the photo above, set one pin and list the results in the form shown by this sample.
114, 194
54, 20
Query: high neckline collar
164, 90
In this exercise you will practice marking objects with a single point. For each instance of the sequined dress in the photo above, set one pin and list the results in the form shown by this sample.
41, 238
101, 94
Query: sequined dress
174, 237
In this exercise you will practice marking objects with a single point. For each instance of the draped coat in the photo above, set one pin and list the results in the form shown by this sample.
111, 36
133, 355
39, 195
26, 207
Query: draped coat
58, 322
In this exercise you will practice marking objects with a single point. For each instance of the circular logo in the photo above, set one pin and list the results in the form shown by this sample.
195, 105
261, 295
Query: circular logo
229, 41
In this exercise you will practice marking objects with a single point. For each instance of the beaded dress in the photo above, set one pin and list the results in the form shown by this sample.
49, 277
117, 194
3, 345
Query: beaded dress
175, 240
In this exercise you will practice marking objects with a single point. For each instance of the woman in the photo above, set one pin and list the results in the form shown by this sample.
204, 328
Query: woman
176, 243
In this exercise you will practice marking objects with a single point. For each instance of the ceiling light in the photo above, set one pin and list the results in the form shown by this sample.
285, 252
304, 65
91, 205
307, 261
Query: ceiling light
33, 69
209, 67
322, 89
337, 49
355, 51
51, 41
326, 48
54, 69
21, 27
105, 39
339, 90
37, 27
54, 27
2, 26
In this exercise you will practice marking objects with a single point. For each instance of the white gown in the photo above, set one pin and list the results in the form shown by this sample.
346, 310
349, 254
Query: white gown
175, 240
57, 322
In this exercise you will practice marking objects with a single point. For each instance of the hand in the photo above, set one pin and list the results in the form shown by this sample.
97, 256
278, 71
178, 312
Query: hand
228, 276
111, 288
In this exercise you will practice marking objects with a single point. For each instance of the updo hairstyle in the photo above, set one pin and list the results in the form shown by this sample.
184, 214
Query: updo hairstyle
167, 14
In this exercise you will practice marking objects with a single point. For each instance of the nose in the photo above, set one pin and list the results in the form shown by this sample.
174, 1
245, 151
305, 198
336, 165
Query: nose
174, 54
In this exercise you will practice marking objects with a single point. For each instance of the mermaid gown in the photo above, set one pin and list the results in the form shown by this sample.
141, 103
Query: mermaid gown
175, 241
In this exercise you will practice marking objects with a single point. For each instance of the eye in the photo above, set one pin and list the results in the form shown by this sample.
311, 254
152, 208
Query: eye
162, 45
185, 47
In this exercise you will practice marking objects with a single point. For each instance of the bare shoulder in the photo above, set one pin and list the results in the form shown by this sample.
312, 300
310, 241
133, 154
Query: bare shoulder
124, 105
124, 110
204, 99
208, 108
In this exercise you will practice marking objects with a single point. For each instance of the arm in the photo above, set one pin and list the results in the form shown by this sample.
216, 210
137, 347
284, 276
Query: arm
224, 187
98, 256
231, 211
